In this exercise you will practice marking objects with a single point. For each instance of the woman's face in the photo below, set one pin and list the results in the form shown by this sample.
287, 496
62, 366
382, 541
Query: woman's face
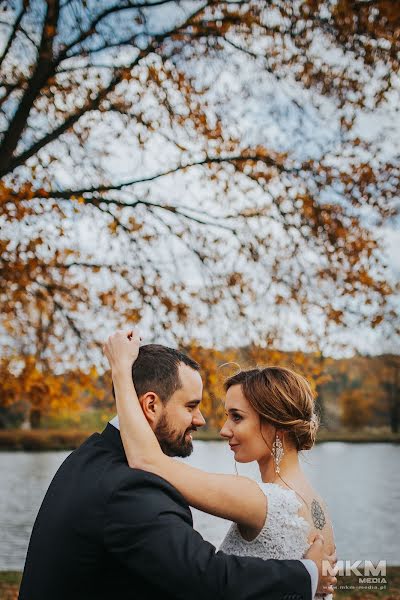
242, 428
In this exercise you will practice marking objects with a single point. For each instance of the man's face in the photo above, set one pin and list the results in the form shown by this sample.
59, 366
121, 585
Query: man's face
181, 415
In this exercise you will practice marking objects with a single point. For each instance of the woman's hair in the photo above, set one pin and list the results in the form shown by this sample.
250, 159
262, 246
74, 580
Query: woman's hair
283, 398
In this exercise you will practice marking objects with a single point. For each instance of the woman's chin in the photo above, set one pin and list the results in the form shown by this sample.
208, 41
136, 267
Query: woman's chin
243, 458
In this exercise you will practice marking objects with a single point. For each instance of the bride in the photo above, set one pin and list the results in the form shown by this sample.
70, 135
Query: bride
270, 419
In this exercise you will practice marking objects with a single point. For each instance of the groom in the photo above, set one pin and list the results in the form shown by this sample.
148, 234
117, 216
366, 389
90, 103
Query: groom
106, 531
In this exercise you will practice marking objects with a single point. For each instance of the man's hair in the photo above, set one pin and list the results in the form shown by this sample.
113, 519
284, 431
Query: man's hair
156, 369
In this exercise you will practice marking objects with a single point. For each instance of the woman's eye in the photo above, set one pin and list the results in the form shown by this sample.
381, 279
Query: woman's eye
236, 418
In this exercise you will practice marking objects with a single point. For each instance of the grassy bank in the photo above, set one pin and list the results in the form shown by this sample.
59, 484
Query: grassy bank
9, 584
68, 439
10, 580
358, 590
42, 439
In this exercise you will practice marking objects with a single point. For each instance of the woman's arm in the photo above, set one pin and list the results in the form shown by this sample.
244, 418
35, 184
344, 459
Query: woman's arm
231, 497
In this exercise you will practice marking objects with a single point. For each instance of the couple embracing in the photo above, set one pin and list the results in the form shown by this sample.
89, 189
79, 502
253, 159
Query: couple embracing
115, 522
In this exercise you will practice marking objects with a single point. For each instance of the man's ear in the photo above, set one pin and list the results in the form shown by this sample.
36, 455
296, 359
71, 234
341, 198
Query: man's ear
152, 407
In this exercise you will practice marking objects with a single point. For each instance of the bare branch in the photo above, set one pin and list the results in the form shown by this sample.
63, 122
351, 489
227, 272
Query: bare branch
237, 158
7, 165
40, 75
71, 120
167, 207
244, 50
14, 30
9, 89
109, 11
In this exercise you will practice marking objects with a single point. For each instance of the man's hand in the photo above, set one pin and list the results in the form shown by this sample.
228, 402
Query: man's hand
122, 349
318, 554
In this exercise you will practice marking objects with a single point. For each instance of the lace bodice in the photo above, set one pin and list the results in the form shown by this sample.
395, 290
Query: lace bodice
284, 534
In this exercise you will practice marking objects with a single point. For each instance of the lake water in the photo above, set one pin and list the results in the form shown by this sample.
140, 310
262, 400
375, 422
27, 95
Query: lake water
359, 482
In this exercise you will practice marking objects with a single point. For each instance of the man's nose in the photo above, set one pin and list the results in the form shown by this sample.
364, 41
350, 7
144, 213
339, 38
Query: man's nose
199, 420
225, 431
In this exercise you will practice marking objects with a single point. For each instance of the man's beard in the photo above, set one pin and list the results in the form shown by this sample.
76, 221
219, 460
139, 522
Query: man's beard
171, 442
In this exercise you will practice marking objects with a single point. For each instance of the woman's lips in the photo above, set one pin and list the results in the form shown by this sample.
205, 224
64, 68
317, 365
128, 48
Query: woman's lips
233, 446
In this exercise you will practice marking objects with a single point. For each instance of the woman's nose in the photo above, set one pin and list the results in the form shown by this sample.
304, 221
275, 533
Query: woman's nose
225, 431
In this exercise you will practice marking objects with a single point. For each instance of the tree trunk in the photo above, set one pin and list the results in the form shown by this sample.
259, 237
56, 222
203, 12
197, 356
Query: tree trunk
319, 401
394, 408
393, 390
35, 417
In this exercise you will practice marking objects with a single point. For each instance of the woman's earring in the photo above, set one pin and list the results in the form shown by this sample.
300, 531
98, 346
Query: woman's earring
277, 452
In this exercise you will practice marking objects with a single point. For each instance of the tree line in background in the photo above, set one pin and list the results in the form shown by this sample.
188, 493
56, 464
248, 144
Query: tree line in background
351, 393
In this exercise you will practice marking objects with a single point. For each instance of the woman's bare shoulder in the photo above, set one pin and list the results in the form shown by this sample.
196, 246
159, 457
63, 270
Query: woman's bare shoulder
315, 511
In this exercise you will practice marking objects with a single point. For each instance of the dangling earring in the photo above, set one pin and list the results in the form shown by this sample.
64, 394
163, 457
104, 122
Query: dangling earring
277, 452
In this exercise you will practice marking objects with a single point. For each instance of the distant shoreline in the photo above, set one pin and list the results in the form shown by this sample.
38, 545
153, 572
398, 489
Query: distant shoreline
352, 437
59, 439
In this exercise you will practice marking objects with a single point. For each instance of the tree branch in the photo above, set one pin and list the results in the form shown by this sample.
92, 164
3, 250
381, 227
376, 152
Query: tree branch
9, 88
70, 121
111, 10
41, 73
176, 210
14, 31
7, 165
239, 158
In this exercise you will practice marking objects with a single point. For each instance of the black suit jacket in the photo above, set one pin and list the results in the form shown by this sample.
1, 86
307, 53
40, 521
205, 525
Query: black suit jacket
106, 531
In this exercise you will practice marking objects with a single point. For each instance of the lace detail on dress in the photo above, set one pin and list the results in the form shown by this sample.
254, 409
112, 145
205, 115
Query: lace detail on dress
284, 534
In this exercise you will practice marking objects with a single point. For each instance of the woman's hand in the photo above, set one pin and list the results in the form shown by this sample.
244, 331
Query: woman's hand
140, 443
122, 349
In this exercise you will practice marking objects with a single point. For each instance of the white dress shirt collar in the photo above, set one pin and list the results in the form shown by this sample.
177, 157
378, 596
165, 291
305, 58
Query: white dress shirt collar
115, 422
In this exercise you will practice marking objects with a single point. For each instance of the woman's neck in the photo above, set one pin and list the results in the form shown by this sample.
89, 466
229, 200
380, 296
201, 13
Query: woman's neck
289, 466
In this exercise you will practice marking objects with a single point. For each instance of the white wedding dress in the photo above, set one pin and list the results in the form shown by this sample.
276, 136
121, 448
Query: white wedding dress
284, 534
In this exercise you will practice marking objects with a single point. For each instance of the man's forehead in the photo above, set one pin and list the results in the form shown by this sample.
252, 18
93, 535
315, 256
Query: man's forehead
190, 379
187, 373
